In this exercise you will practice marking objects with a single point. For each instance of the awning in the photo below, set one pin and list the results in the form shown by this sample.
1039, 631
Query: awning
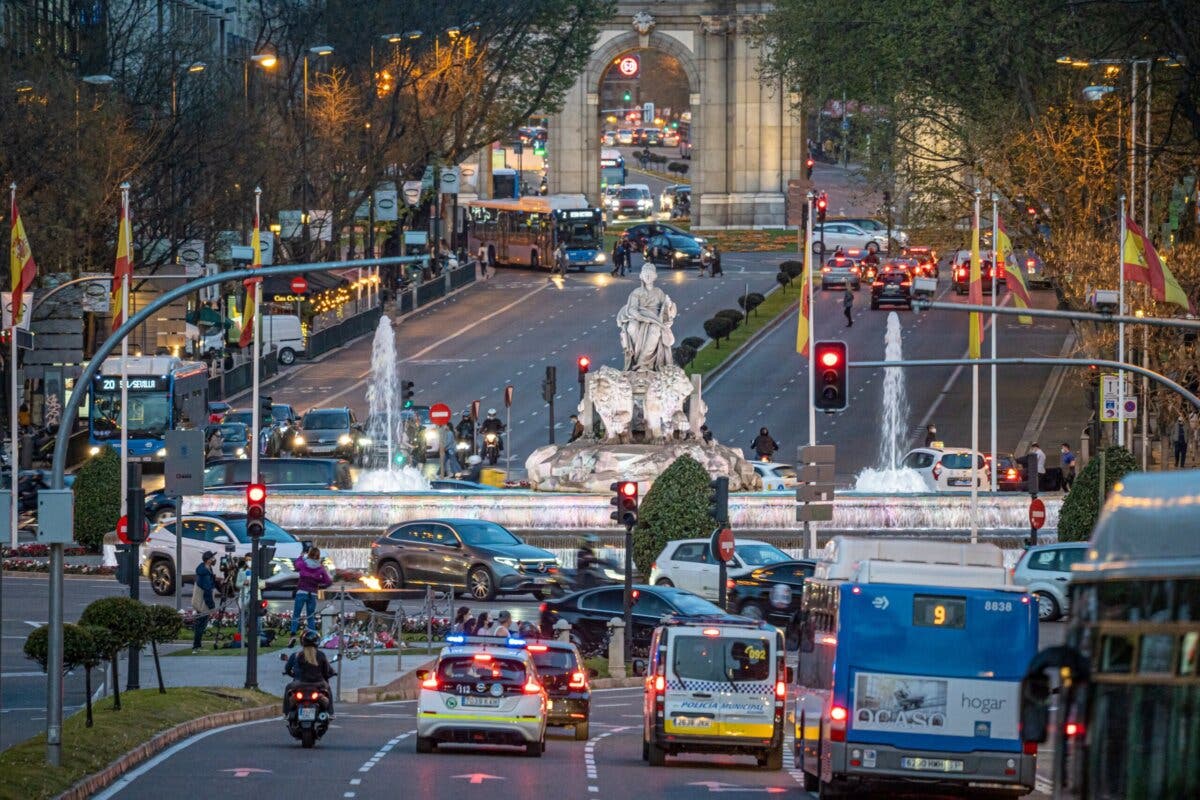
278, 288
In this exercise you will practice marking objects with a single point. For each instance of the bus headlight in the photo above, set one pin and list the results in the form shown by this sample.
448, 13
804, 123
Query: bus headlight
241, 452
601, 258
162, 452
344, 439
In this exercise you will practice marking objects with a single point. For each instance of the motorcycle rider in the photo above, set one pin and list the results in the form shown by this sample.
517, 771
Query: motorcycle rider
492, 424
308, 667
465, 429
764, 446
585, 559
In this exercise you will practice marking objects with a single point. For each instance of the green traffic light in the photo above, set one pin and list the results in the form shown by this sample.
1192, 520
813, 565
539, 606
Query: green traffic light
400, 458
675, 125
628, 97
408, 403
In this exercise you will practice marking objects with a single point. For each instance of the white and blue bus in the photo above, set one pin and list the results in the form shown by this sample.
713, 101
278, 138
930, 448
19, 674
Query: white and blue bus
910, 667
163, 392
529, 230
612, 168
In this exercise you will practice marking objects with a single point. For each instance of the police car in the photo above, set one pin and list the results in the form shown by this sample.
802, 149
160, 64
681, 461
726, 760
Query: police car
715, 685
483, 690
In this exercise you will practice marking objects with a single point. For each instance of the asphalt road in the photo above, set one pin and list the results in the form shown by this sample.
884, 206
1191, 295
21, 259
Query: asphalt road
370, 751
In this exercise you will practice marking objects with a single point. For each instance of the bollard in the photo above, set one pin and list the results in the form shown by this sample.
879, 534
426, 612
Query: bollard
562, 630
616, 648
328, 616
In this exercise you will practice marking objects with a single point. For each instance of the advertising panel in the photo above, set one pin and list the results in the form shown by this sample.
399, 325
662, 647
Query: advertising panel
936, 706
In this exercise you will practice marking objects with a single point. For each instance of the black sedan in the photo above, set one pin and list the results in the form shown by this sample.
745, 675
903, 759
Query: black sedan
639, 235
673, 250
567, 682
772, 593
589, 612
1010, 472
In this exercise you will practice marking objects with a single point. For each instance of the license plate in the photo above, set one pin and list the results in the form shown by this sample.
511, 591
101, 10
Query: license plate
959, 482
549, 705
932, 764
487, 702
308, 713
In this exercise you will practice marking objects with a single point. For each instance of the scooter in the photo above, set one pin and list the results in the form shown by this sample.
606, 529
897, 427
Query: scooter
491, 447
308, 717
600, 572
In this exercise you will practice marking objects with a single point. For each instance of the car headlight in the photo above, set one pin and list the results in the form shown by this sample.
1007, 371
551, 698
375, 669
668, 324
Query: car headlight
93, 451
363, 441
162, 452
431, 436
507, 561
241, 452
612, 574
643, 203
344, 439
601, 258
680, 254
298, 441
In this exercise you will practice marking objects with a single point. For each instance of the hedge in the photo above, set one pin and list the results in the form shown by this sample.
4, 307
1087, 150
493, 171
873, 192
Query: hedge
676, 507
1081, 507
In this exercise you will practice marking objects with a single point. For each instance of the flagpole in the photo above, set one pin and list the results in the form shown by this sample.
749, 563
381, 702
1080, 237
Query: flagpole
975, 386
1121, 331
811, 538
125, 352
996, 272
254, 351
14, 513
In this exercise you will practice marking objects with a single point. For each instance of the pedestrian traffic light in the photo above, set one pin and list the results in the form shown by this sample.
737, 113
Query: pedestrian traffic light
550, 384
627, 97
626, 502
822, 207
584, 363
718, 507
400, 458
406, 393
832, 387
256, 510
808, 166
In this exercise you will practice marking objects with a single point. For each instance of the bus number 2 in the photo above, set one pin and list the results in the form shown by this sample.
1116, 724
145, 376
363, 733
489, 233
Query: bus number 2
997, 605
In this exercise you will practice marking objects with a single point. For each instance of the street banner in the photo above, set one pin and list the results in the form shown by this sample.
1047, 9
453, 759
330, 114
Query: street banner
26, 310
386, 205
123, 268
95, 297
975, 329
23, 267
449, 180
191, 257
803, 325
291, 224
1142, 263
251, 288
412, 192
320, 226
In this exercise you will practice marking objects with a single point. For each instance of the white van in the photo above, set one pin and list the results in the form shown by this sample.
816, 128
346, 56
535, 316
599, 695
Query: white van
715, 685
283, 331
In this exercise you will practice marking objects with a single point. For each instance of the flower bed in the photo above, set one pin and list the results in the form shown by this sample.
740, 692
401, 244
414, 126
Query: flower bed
39, 551
30, 565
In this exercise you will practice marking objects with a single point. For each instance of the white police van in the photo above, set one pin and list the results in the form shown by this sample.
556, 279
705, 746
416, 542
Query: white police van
715, 685
483, 690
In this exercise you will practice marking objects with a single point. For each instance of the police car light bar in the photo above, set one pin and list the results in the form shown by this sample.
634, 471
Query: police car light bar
494, 641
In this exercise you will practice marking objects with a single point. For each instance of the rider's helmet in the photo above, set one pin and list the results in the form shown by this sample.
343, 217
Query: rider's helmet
473, 460
491, 412
310, 637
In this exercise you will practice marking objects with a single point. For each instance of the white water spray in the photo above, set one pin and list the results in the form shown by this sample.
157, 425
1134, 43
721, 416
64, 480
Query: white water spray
888, 476
385, 428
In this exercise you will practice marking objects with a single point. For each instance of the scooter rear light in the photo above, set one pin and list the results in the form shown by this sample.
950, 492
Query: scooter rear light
299, 695
314, 695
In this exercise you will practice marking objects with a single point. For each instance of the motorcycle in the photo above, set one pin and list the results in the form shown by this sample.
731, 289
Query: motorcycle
600, 572
462, 449
491, 447
308, 717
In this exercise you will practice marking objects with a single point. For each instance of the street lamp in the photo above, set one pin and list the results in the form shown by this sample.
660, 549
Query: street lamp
266, 61
316, 50
23, 86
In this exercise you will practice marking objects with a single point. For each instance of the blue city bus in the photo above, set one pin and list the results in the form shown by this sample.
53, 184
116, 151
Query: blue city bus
910, 667
529, 230
164, 393
612, 168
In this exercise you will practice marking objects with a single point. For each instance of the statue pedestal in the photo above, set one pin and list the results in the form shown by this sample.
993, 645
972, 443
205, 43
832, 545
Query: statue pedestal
591, 466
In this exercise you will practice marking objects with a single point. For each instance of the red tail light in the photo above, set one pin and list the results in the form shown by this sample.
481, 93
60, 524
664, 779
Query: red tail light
780, 689
937, 470
429, 683
532, 687
729, 583
1073, 729
1029, 748
1011, 474
299, 695
578, 680
537, 648
837, 725
314, 695
660, 683
542, 608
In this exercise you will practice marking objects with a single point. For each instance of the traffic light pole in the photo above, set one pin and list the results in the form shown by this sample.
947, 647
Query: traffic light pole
134, 522
628, 591
251, 643
810, 536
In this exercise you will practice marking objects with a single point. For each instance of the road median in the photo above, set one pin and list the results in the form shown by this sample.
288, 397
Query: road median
149, 722
711, 361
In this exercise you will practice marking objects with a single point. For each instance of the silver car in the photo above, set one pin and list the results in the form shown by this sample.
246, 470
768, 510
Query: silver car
1046, 572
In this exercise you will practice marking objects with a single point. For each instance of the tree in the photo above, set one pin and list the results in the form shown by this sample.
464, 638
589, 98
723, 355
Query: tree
127, 623
163, 624
732, 314
751, 301
718, 327
97, 498
1081, 507
683, 355
793, 269
79, 650
676, 507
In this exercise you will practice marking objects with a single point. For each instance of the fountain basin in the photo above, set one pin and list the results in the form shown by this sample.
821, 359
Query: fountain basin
371, 512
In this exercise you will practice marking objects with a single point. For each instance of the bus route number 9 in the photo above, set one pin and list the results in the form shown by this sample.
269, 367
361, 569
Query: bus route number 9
998, 605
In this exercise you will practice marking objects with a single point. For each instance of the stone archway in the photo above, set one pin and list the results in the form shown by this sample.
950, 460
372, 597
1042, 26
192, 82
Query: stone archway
748, 141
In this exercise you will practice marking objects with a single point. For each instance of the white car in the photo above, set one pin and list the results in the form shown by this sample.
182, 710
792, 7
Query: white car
876, 226
776, 477
947, 468
482, 690
688, 564
847, 236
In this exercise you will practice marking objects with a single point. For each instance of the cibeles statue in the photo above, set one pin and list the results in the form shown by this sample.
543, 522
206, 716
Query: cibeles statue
645, 323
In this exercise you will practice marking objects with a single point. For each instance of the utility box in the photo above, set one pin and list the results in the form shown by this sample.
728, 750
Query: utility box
56, 516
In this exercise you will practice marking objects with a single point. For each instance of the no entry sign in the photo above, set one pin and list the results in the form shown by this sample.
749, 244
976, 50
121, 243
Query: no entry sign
439, 414
722, 544
299, 285
1037, 514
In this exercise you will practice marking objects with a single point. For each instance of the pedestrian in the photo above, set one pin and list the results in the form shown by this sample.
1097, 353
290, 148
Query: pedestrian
560, 261
242, 583
481, 259
1179, 441
764, 446
848, 305
1067, 459
203, 601
214, 448
616, 257
24, 418
576, 428
1036, 449
483, 624
448, 443
502, 624
313, 578
460, 619
468, 626
706, 434
930, 435
626, 254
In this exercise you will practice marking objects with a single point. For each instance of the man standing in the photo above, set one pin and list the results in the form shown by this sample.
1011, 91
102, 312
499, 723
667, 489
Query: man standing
1179, 441
848, 305
1041, 462
930, 434
203, 601
1068, 467
576, 428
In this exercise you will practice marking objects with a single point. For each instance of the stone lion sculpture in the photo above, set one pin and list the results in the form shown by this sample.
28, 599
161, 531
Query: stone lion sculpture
612, 399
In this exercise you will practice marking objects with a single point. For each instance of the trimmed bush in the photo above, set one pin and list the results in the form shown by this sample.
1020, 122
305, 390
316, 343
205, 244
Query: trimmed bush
793, 269
782, 279
97, 498
79, 650
732, 314
1081, 507
162, 625
694, 342
718, 328
676, 507
678, 167
128, 625
683, 355
751, 301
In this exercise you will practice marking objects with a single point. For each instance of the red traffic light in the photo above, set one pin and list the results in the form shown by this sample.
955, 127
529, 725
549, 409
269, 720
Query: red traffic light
629, 489
822, 203
830, 358
256, 493
584, 362
809, 162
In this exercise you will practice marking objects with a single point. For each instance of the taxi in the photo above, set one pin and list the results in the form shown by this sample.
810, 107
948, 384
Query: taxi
482, 690
715, 685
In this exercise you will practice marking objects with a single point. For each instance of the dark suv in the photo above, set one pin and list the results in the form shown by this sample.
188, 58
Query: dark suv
472, 555
892, 286
567, 683
329, 431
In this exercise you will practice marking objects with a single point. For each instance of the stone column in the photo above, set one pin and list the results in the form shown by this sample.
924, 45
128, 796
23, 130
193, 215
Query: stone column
567, 130
710, 125
616, 647
562, 631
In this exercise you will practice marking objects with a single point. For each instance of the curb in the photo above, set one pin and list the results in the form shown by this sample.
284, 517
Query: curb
403, 688
617, 683
712, 375
107, 776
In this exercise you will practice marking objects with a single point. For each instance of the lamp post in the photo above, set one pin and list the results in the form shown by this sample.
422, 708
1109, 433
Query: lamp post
265, 61
317, 50
195, 68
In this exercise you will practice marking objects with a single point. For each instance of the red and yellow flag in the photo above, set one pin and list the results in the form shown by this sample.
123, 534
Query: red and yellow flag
802, 337
248, 320
1141, 262
124, 265
20, 257
1014, 275
975, 297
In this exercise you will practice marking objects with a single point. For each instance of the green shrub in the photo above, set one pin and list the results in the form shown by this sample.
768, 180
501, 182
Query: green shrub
676, 507
782, 279
79, 650
162, 625
97, 498
1081, 507
694, 342
678, 167
683, 355
793, 269
732, 314
751, 301
718, 328
128, 625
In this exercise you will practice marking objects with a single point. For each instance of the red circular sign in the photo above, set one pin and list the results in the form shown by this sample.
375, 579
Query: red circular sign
629, 66
1037, 513
123, 530
299, 285
722, 544
439, 414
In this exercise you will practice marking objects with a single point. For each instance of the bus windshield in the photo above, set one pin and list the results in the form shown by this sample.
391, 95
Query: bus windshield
579, 234
149, 414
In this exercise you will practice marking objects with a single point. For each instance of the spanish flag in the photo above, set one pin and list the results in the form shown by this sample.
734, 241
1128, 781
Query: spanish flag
248, 320
20, 257
975, 330
1141, 263
802, 337
1014, 275
124, 266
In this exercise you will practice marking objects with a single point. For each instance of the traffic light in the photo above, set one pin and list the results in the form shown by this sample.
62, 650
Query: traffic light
718, 507
400, 458
406, 393
627, 97
550, 384
832, 386
808, 167
822, 207
626, 502
584, 363
256, 510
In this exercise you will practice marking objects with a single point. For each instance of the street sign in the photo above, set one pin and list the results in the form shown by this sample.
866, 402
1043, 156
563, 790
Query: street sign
299, 285
123, 530
439, 414
56, 516
184, 467
814, 512
809, 492
508, 394
1110, 390
816, 473
818, 454
1037, 514
629, 66
722, 544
